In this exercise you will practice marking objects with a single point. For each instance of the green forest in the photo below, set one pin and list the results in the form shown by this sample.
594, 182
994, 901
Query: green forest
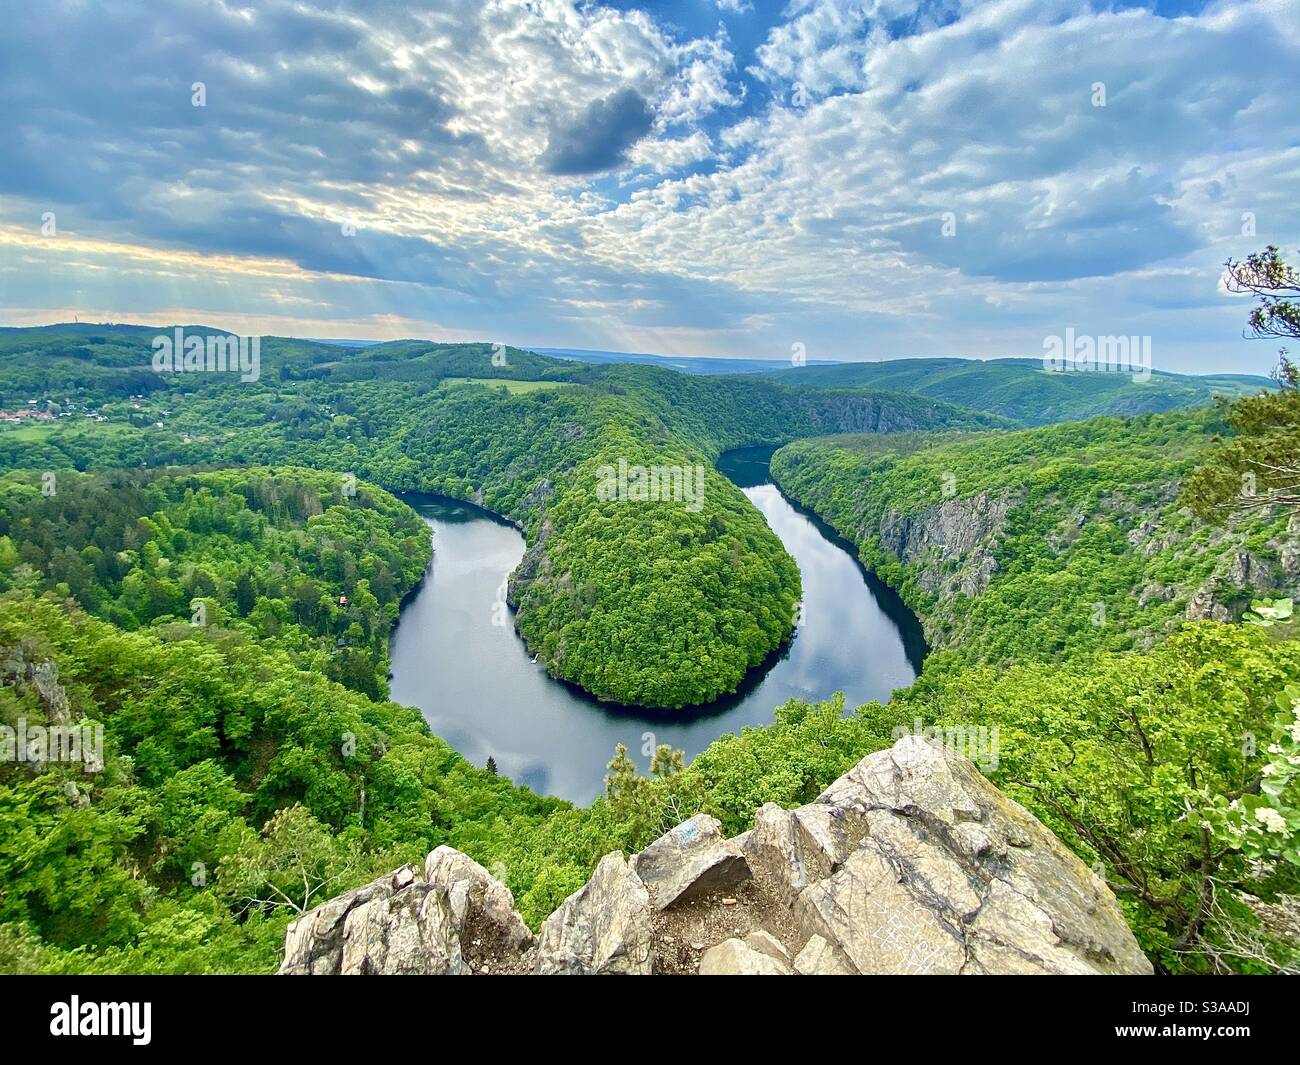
211, 570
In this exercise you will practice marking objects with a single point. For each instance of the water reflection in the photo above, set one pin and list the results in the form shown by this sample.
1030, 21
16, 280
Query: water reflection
480, 691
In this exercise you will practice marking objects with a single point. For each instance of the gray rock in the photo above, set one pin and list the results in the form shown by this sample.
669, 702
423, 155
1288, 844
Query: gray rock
478, 900
313, 944
735, 957
819, 958
796, 848
410, 933
1205, 606
401, 924
965, 531
1289, 558
691, 860
877, 922
766, 943
602, 928
1246, 571
952, 876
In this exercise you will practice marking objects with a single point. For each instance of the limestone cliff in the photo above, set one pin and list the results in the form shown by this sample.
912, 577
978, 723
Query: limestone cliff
910, 863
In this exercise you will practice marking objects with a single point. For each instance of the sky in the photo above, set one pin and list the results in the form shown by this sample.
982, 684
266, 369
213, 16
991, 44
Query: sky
849, 179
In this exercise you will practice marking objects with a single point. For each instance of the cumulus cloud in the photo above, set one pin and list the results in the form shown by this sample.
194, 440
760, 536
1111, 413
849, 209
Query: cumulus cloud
872, 176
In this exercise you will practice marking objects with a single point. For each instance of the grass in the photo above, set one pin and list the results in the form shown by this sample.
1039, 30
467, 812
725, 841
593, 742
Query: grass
28, 432
515, 388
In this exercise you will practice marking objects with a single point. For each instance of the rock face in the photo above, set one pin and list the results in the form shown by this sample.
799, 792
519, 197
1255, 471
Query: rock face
404, 924
1238, 578
910, 863
602, 928
956, 530
691, 860
951, 547
849, 413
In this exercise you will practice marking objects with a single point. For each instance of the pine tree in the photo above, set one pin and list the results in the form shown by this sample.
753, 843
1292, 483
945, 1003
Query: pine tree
245, 596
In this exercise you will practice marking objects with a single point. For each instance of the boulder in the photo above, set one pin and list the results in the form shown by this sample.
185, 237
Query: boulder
602, 928
692, 860
758, 954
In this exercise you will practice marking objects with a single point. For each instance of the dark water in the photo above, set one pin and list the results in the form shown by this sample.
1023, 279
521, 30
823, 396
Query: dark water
455, 653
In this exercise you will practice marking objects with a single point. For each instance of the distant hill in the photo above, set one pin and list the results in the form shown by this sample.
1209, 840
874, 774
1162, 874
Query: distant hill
114, 361
1018, 389
1022, 390
692, 364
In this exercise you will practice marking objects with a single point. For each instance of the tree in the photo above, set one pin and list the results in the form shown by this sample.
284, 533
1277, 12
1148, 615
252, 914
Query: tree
245, 595
295, 864
1276, 282
1260, 465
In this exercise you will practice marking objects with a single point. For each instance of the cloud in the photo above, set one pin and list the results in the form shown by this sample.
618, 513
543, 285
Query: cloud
592, 176
664, 156
599, 138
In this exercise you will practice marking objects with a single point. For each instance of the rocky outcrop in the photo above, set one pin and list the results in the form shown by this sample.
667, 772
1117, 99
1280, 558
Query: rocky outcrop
601, 929
23, 667
1237, 579
910, 863
455, 920
691, 860
535, 565
965, 531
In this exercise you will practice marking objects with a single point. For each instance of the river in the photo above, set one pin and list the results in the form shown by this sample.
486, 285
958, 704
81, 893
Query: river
456, 656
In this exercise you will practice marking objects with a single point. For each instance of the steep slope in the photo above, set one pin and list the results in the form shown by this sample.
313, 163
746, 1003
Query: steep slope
1043, 543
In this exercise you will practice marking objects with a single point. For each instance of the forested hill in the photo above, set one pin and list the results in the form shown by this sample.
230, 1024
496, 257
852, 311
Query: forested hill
106, 363
317, 562
1023, 391
1083, 611
523, 435
1047, 543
